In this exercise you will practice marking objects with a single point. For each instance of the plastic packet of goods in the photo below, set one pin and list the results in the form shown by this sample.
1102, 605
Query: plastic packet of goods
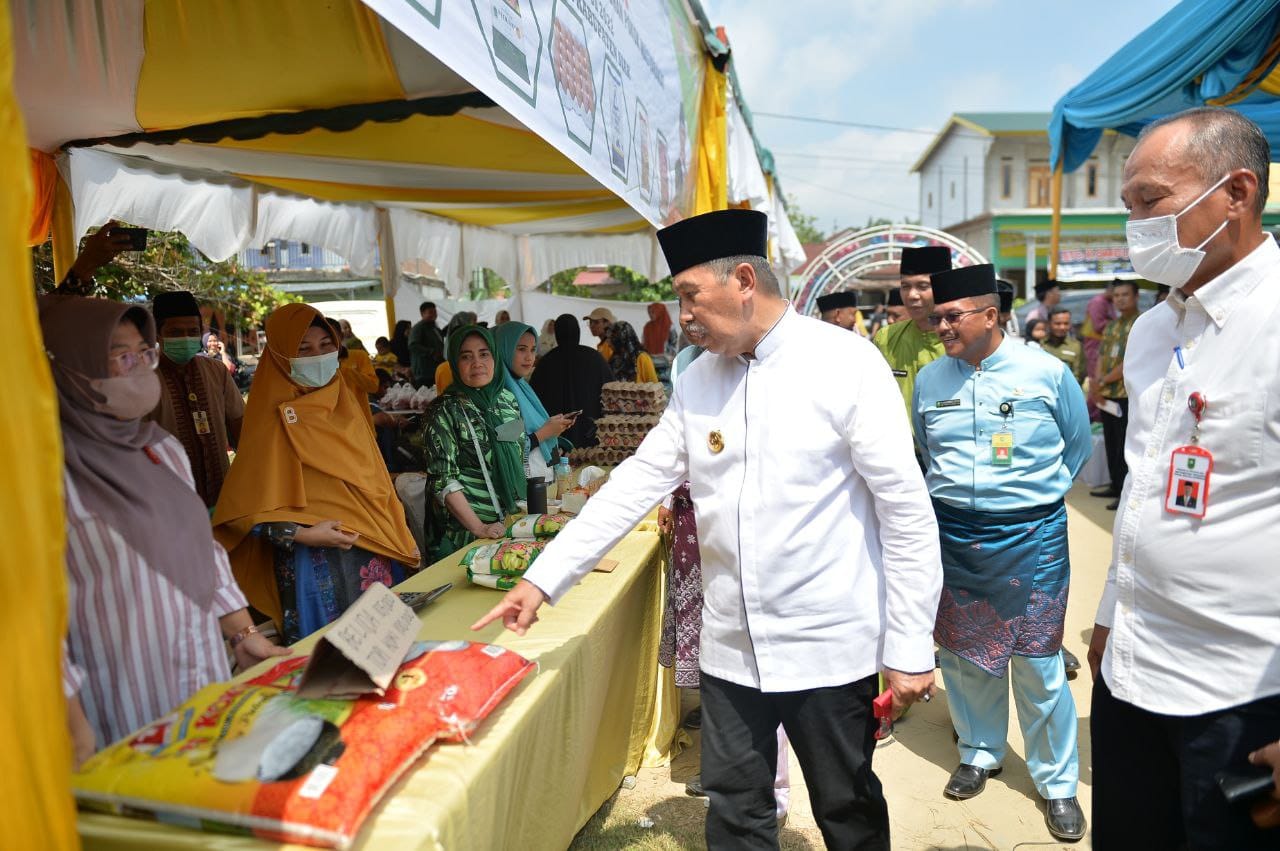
252, 759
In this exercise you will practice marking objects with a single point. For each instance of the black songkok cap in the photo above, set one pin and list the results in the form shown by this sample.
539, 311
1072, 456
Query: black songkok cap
180, 303
895, 297
1005, 290
964, 282
714, 236
924, 260
1043, 287
835, 301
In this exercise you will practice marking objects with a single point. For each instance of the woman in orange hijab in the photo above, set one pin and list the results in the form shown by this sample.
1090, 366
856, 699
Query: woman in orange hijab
657, 331
308, 512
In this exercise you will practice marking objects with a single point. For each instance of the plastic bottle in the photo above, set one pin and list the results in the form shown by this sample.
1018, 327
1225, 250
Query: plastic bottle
564, 477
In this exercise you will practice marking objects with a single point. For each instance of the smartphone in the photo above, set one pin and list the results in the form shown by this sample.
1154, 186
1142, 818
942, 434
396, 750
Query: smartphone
137, 237
573, 415
1246, 785
418, 599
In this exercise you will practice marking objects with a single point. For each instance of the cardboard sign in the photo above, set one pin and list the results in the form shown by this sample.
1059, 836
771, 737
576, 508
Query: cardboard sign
361, 650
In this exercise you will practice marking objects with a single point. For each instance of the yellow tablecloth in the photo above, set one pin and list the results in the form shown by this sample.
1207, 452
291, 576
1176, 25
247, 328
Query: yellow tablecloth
598, 707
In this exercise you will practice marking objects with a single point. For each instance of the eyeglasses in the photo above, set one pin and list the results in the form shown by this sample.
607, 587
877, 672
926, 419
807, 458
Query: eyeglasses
127, 362
952, 317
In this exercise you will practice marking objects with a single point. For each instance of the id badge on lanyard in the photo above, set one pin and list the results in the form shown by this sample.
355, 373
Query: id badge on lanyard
1190, 467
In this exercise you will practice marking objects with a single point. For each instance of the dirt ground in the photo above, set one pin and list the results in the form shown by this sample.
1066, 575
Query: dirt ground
656, 815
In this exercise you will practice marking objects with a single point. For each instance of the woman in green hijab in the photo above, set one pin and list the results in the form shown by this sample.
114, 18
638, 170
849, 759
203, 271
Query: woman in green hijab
475, 445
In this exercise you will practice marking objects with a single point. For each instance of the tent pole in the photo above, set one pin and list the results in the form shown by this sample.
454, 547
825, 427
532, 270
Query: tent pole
390, 269
64, 243
1055, 228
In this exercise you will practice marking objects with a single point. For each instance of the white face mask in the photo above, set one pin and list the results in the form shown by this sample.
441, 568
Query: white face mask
128, 397
314, 371
1154, 249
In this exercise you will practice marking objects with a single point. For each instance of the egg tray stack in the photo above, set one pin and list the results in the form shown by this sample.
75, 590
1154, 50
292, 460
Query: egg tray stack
631, 411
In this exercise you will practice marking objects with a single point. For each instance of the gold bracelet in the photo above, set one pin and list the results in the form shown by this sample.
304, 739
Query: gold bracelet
242, 635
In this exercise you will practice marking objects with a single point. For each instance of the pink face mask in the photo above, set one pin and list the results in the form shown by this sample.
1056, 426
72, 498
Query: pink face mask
127, 397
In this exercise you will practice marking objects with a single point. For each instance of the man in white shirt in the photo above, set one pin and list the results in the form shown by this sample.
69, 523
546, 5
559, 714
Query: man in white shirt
1188, 631
819, 549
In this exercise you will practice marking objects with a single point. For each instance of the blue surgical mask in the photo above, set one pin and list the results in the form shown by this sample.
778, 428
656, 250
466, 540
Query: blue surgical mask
314, 371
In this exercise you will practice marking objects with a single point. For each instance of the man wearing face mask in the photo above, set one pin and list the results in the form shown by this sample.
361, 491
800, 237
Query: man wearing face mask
1184, 650
199, 402
1106, 390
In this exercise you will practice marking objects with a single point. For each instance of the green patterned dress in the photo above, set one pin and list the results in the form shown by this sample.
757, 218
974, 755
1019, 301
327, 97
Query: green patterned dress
453, 431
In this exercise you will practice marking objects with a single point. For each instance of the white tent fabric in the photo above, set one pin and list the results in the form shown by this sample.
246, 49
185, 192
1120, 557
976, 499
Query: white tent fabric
216, 213
348, 230
547, 254
788, 245
746, 179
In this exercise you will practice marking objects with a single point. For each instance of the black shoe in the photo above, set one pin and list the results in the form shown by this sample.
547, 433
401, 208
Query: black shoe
694, 788
1065, 819
1113, 505
1070, 661
967, 781
1107, 491
693, 721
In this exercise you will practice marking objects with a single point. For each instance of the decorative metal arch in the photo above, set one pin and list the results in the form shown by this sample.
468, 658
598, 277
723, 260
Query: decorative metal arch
868, 260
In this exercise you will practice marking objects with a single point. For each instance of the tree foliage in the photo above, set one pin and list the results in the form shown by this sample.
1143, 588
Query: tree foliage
639, 288
168, 263
806, 227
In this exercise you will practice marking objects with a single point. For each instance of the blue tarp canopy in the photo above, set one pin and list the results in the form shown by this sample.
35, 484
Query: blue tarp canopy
1201, 51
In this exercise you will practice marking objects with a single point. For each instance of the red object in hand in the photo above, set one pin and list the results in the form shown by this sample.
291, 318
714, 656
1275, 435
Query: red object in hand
882, 706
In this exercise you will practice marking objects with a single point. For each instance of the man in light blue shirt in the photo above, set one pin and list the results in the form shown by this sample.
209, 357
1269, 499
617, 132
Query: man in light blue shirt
1003, 430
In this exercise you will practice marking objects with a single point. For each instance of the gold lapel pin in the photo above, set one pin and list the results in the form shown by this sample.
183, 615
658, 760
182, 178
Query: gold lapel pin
715, 441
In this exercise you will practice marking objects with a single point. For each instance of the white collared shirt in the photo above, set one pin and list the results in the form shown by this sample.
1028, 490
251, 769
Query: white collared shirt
819, 547
1194, 605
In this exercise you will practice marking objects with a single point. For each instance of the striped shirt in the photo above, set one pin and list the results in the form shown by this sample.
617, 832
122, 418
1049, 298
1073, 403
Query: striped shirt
136, 645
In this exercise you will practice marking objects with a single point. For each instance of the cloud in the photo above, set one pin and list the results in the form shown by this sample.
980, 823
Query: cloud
853, 176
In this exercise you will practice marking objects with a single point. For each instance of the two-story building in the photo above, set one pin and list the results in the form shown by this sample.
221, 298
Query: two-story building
985, 179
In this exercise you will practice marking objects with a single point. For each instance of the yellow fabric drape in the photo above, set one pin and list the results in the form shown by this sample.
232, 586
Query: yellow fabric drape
65, 247
712, 189
35, 753
44, 180
336, 55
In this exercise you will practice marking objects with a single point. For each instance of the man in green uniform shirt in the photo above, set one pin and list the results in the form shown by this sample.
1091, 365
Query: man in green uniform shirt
910, 346
1107, 389
1062, 345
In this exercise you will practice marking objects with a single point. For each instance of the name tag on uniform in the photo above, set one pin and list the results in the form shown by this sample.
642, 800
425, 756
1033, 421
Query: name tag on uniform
949, 403
1002, 448
899, 373
1188, 491
201, 420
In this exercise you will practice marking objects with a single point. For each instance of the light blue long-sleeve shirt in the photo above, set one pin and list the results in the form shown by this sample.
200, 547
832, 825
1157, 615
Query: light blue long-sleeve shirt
956, 410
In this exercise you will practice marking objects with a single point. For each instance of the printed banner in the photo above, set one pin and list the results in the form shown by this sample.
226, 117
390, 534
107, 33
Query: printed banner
612, 84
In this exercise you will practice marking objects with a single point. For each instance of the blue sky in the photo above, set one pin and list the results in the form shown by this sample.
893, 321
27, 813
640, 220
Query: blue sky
909, 64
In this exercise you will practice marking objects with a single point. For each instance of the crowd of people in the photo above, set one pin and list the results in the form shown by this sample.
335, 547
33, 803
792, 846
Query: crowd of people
907, 516
174, 549
824, 556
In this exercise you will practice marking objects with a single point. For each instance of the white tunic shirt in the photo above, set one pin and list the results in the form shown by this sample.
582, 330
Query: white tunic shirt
819, 547
1194, 605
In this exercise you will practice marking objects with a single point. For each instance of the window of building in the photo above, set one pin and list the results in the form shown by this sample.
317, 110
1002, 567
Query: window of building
305, 248
930, 200
1006, 179
1091, 180
1039, 185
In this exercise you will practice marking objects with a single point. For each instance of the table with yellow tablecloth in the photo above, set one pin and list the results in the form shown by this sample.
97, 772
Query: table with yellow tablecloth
597, 709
